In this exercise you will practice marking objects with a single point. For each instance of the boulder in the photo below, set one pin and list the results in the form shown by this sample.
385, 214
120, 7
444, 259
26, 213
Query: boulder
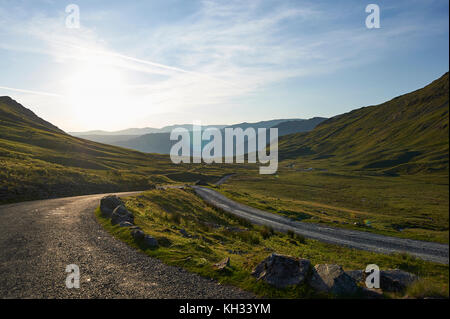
151, 242
282, 271
393, 280
332, 279
137, 234
396, 280
108, 204
121, 214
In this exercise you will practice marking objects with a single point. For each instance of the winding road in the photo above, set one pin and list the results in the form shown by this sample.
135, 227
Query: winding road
351, 238
39, 239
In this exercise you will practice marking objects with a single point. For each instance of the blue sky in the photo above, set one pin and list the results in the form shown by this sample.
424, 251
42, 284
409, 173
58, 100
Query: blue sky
155, 63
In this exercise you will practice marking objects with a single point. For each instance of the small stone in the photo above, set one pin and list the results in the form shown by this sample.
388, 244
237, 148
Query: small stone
121, 214
223, 264
137, 234
150, 241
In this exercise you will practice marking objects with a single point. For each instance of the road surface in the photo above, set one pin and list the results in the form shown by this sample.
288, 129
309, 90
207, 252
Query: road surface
351, 238
39, 239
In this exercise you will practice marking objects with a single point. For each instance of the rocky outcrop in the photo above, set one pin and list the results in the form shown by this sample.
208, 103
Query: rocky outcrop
282, 271
108, 204
121, 214
330, 278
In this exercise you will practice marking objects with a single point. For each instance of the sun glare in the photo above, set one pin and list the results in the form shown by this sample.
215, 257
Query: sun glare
94, 92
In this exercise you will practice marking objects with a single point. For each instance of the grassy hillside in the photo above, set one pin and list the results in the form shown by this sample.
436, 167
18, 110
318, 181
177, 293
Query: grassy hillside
213, 235
407, 134
381, 169
38, 160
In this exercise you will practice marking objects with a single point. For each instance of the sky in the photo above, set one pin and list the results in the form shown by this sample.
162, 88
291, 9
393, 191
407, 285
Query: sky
155, 63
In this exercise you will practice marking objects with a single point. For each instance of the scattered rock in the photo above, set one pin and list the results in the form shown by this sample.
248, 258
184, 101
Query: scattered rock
223, 264
396, 280
332, 279
151, 242
125, 224
108, 204
137, 234
282, 271
121, 214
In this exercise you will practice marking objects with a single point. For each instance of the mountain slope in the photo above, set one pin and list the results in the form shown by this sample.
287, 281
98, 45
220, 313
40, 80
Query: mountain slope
407, 134
161, 143
298, 126
38, 160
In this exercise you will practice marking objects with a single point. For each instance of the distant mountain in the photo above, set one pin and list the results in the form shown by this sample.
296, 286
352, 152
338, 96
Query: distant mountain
161, 143
407, 134
298, 126
130, 131
38, 160
136, 131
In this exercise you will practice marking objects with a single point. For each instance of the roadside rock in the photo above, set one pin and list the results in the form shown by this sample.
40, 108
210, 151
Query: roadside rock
332, 279
137, 234
223, 264
151, 242
282, 271
108, 204
396, 280
121, 214
393, 280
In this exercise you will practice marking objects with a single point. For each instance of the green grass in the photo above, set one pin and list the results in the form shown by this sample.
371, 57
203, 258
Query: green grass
217, 235
413, 207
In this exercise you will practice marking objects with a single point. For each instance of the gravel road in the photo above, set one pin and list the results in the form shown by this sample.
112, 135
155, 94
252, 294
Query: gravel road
351, 238
39, 239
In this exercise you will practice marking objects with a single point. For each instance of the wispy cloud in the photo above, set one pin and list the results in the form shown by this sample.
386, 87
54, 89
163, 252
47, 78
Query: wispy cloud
213, 57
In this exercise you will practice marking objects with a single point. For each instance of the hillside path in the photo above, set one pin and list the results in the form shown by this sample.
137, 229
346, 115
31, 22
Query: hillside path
351, 238
39, 239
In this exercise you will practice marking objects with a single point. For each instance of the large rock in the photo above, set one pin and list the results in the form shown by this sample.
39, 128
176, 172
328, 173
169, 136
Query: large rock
282, 271
332, 279
121, 214
393, 280
396, 280
108, 204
